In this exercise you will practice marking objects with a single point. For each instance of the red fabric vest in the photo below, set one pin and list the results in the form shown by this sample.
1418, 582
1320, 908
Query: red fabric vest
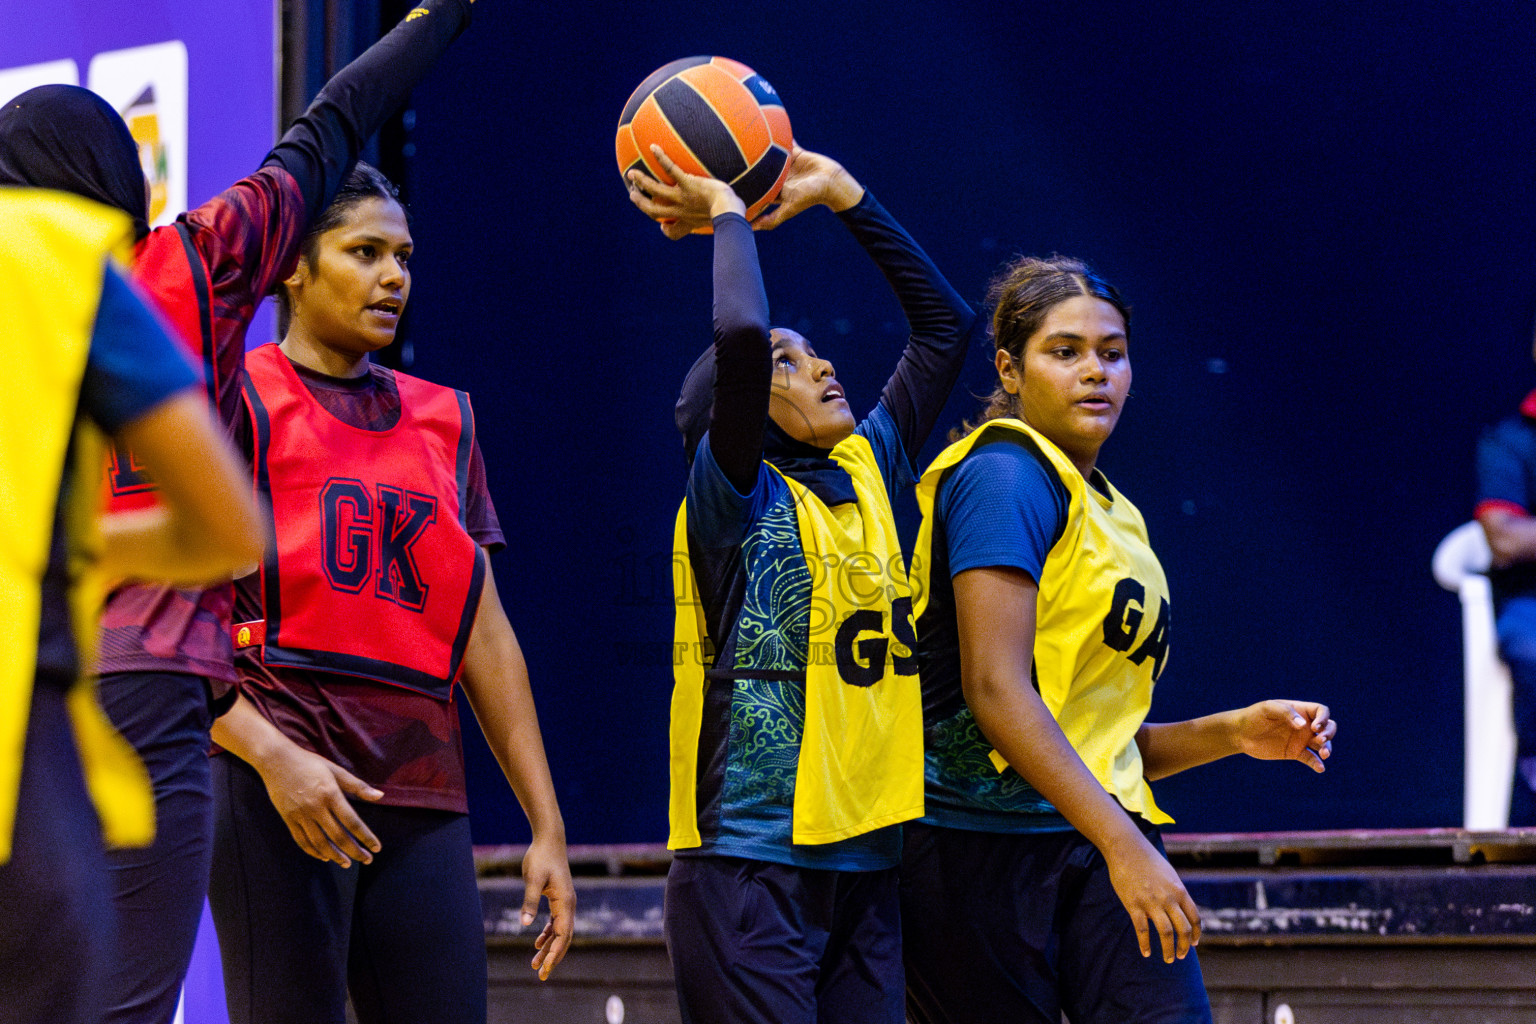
370, 571
169, 269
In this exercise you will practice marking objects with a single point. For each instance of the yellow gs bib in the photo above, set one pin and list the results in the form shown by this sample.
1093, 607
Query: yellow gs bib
860, 765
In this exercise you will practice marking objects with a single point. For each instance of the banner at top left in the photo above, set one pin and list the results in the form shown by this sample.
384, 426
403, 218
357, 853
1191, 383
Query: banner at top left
196, 83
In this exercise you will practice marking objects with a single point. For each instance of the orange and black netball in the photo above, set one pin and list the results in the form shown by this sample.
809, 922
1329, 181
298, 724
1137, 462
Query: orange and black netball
712, 116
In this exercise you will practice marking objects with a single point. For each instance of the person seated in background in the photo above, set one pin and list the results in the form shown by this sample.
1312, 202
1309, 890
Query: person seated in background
1506, 501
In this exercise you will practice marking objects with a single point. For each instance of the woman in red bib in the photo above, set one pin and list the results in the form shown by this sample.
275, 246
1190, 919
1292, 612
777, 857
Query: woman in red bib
165, 666
374, 600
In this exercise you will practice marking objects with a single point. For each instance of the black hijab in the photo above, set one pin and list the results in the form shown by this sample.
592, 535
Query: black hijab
67, 138
811, 467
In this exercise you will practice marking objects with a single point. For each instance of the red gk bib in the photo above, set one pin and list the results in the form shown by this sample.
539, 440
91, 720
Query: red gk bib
371, 572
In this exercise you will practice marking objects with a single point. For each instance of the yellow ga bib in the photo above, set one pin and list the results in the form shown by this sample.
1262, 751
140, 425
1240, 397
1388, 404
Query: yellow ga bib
1101, 619
52, 256
860, 766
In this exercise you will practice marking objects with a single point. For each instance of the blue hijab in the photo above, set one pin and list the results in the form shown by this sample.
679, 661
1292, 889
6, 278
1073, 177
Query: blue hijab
811, 467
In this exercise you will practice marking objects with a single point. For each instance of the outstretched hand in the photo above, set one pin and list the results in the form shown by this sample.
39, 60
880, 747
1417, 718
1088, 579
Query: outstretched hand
1295, 730
547, 872
687, 206
814, 180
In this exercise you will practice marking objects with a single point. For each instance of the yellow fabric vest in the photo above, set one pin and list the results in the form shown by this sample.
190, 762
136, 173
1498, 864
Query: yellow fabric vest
1101, 619
52, 253
860, 766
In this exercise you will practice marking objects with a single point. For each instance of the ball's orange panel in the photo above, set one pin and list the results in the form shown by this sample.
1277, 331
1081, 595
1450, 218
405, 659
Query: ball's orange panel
736, 106
778, 126
735, 68
651, 126
625, 148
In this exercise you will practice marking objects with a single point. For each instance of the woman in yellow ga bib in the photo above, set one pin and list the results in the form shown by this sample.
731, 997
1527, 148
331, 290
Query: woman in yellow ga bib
1036, 881
796, 734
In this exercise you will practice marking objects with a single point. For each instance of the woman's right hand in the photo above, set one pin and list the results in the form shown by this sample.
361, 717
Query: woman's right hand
311, 793
693, 203
1155, 898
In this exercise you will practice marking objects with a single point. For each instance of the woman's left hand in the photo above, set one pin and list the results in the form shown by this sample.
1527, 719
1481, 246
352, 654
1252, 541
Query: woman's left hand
689, 205
547, 872
1294, 730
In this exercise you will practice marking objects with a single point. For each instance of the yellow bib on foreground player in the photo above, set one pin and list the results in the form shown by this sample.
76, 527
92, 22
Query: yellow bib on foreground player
52, 255
860, 766
1101, 570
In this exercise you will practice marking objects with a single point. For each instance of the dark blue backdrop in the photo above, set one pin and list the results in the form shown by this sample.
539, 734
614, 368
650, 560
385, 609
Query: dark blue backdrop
1322, 215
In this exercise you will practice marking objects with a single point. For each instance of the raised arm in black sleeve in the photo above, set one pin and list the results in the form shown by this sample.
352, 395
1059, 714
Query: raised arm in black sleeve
743, 354
941, 322
320, 148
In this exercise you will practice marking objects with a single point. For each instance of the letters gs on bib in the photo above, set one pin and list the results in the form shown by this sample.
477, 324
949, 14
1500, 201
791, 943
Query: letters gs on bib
368, 535
861, 642
1123, 623
861, 656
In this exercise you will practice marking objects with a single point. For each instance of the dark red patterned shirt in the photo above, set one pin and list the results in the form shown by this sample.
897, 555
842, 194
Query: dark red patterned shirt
403, 742
248, 237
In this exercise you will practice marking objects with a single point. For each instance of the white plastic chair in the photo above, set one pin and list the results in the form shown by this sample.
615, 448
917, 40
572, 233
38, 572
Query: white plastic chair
1460, 564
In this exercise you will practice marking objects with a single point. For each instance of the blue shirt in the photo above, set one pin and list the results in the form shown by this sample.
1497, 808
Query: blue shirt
133, 364
1002, 506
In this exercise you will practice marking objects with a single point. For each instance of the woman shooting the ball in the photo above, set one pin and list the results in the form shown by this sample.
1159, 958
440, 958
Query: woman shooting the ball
796, 745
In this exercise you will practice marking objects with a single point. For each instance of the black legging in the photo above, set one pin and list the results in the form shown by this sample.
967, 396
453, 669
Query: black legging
56, 920
404, 934
159, 889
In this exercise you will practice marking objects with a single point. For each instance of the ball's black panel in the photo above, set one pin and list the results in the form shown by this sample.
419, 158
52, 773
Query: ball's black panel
755, 184
655, 78
697, 124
